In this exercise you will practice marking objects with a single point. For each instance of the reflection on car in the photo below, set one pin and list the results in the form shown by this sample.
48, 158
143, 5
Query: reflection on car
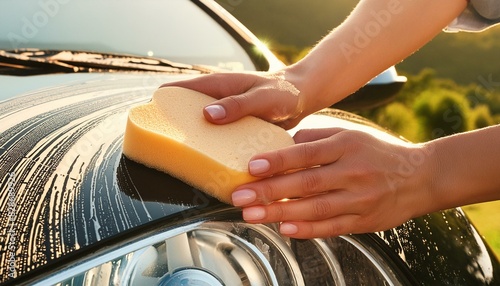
75, 211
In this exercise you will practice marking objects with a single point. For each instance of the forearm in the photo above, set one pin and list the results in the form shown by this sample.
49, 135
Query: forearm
377, 35
465, 168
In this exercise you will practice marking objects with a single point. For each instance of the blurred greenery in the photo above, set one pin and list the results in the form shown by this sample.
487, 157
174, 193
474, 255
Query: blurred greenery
453, 82
290, 26
429, 107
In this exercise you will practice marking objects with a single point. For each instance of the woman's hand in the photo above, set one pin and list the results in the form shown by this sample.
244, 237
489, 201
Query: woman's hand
270, 96
338, 182
335, 68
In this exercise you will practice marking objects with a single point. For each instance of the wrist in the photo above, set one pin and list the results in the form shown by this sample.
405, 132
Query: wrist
315, 85
325, 76
438, 178
420, 193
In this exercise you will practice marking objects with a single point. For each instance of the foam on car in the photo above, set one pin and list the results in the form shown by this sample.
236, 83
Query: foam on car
170, 134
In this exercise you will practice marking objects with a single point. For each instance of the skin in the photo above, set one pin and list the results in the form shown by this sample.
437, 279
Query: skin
336, 181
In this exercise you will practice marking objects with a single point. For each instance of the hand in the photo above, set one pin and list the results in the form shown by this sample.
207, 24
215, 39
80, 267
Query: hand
347, 182
270, 96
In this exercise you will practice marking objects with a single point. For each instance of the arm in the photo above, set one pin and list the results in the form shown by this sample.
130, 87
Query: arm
467, 168
351, 182
377, 35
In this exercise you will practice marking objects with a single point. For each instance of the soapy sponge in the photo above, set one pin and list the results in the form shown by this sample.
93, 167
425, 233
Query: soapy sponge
170, 134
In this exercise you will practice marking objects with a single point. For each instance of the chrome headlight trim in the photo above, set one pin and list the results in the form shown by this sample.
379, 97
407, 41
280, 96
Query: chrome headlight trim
332, 262
224, 252
112, 253
216, 250
383, 268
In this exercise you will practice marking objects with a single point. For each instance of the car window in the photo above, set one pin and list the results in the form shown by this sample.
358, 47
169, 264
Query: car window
177, 30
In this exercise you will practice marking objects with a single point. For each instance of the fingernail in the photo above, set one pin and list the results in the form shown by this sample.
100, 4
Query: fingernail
254, 213
288, 228
243, 197
258, 166
216, 112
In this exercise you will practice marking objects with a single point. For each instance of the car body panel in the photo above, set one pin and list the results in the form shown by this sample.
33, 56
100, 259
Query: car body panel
68, 195
62, 166
61, 147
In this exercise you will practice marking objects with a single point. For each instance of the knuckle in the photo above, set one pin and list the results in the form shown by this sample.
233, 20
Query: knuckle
302, 134
237, 102
280, 161
308, 152
351, 140
321, 208
278, 212
336, 229
368, 200
362, 171
311, 183
267, 192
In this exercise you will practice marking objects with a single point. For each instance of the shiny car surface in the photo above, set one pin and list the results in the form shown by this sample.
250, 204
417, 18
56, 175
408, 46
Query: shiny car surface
75, 211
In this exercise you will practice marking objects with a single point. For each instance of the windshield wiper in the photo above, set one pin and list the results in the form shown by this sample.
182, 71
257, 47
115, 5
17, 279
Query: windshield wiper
13, 63
35, 61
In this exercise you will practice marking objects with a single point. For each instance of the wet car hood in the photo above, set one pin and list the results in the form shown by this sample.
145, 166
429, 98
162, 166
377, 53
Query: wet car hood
68, 188
62, 170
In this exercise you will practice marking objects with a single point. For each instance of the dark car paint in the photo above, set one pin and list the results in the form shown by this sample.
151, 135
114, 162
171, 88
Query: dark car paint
370, 96
66, 209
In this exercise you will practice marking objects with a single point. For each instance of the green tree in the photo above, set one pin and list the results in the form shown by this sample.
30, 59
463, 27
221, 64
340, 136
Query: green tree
400, 119
440, 107
442, 112
481, 117
423, 81
496, 118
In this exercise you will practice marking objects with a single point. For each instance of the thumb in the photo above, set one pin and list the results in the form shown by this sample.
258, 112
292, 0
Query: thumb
260, 103
238, 95
230, 109
218, 85
309, 135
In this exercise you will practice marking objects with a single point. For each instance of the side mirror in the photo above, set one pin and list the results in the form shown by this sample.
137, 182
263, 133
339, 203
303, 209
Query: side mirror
379, 91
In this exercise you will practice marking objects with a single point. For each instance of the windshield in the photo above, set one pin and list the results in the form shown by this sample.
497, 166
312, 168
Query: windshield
176, 30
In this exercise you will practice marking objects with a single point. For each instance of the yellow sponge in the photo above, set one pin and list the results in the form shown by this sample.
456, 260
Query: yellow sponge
170, 134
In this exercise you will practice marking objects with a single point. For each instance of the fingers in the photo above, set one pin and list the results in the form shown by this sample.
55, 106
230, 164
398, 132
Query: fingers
332, 182
232, 108
321, 216
297, 171
230, 89
268, 104
341, 225
324, 150
330, 214
212, 84
259, 94
308, 135
313, 208
297, 185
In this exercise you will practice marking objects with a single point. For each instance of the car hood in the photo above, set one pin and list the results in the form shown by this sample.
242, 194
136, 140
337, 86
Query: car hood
66, 185
63, 176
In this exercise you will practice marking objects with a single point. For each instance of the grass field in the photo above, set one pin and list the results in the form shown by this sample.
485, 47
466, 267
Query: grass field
486, 218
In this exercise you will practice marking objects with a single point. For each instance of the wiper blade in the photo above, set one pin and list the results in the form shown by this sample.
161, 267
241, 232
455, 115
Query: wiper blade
34, 61
94, 60
20, 64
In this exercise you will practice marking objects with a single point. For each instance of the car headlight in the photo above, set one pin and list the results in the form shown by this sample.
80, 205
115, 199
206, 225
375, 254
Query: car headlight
228, 253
